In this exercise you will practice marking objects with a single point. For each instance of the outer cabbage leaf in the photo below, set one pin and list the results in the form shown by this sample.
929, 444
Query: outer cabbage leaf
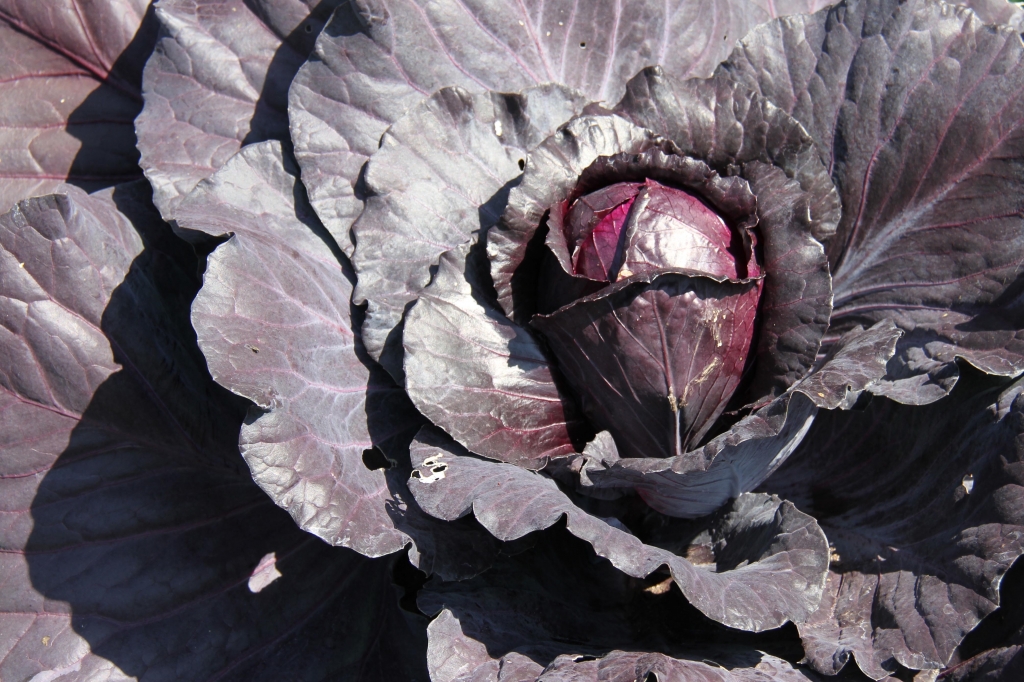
276, 325
441, 175
918, 112
781, 552
218, 79
378, 58
924, 507
134, 541
557, 612
481, 377
70, 88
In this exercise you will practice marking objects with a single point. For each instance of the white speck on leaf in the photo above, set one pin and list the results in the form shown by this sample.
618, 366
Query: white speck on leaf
497, 127
968, 483
265, 573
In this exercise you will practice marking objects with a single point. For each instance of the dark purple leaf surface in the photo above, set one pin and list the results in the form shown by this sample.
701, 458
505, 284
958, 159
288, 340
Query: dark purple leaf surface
734, 131
131, 529
879, 143
274, 322
218, 79
558, 612
655, 358
699, 482
481, 377
924, 508
917, 110
70, 88
378, 58
440, 176
784, 559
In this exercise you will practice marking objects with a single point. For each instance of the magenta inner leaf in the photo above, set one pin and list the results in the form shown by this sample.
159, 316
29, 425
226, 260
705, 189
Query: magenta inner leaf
670, 228
594, 224
634, 228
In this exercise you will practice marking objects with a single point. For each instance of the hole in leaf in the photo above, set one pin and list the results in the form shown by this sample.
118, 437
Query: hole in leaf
522, 164
651, 677
439, 468
583, 44
582, 659
416, 473
374, 459
309, 28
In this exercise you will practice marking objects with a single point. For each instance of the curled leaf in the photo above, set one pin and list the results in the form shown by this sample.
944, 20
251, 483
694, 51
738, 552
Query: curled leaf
782, 551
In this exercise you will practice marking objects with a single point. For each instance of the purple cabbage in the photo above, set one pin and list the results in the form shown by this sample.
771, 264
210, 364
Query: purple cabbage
465, 341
